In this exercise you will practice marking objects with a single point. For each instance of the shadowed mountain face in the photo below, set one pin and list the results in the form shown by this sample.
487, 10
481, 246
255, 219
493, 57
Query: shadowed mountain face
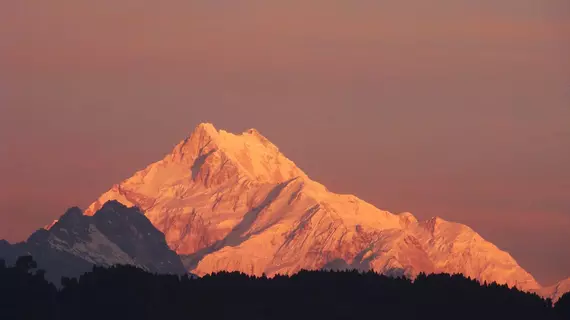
115, 234
9, 253
234, 202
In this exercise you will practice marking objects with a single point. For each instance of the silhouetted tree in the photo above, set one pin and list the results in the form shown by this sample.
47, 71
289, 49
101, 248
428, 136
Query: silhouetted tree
26, 263
126, 292
563, 306
26, 295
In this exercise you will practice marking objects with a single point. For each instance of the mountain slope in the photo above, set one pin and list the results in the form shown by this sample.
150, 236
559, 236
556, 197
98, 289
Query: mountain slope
556, 291
234, 202
115, 234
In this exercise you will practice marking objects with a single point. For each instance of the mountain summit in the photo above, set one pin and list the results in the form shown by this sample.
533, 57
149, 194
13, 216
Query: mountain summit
235, 202
217, 157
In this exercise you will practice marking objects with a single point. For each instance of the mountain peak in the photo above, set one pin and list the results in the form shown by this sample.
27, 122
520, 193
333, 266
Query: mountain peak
205, 128
217, 155
71, 216
407, 218
234, 202
113, 205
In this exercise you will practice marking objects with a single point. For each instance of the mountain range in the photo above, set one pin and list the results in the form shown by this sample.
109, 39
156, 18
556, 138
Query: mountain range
231, 202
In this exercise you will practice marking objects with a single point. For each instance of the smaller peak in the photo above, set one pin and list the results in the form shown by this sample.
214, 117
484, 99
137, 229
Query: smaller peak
114, 208
407, 215
113, 205
71, 217
407, 218
206, 126
72, 213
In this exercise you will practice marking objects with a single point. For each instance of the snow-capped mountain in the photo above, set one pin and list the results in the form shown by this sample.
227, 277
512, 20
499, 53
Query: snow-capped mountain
115, 234
235, 202
556, 291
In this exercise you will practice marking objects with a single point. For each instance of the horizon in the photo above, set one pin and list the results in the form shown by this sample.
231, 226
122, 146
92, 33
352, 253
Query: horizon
452, 109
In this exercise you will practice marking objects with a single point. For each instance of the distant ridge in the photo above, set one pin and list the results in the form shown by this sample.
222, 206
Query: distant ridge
114, 235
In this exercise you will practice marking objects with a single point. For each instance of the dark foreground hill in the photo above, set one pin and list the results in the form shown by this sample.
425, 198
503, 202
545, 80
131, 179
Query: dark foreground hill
126, 292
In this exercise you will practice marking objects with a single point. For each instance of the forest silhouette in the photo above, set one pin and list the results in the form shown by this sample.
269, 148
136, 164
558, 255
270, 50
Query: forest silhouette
127, 292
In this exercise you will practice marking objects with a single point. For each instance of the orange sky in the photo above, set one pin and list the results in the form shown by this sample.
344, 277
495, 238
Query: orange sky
453, 108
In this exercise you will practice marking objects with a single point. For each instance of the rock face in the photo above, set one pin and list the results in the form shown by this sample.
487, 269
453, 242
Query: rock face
234, 202
115, 234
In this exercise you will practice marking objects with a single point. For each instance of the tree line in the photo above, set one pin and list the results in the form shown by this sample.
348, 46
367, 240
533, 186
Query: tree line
126, 292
